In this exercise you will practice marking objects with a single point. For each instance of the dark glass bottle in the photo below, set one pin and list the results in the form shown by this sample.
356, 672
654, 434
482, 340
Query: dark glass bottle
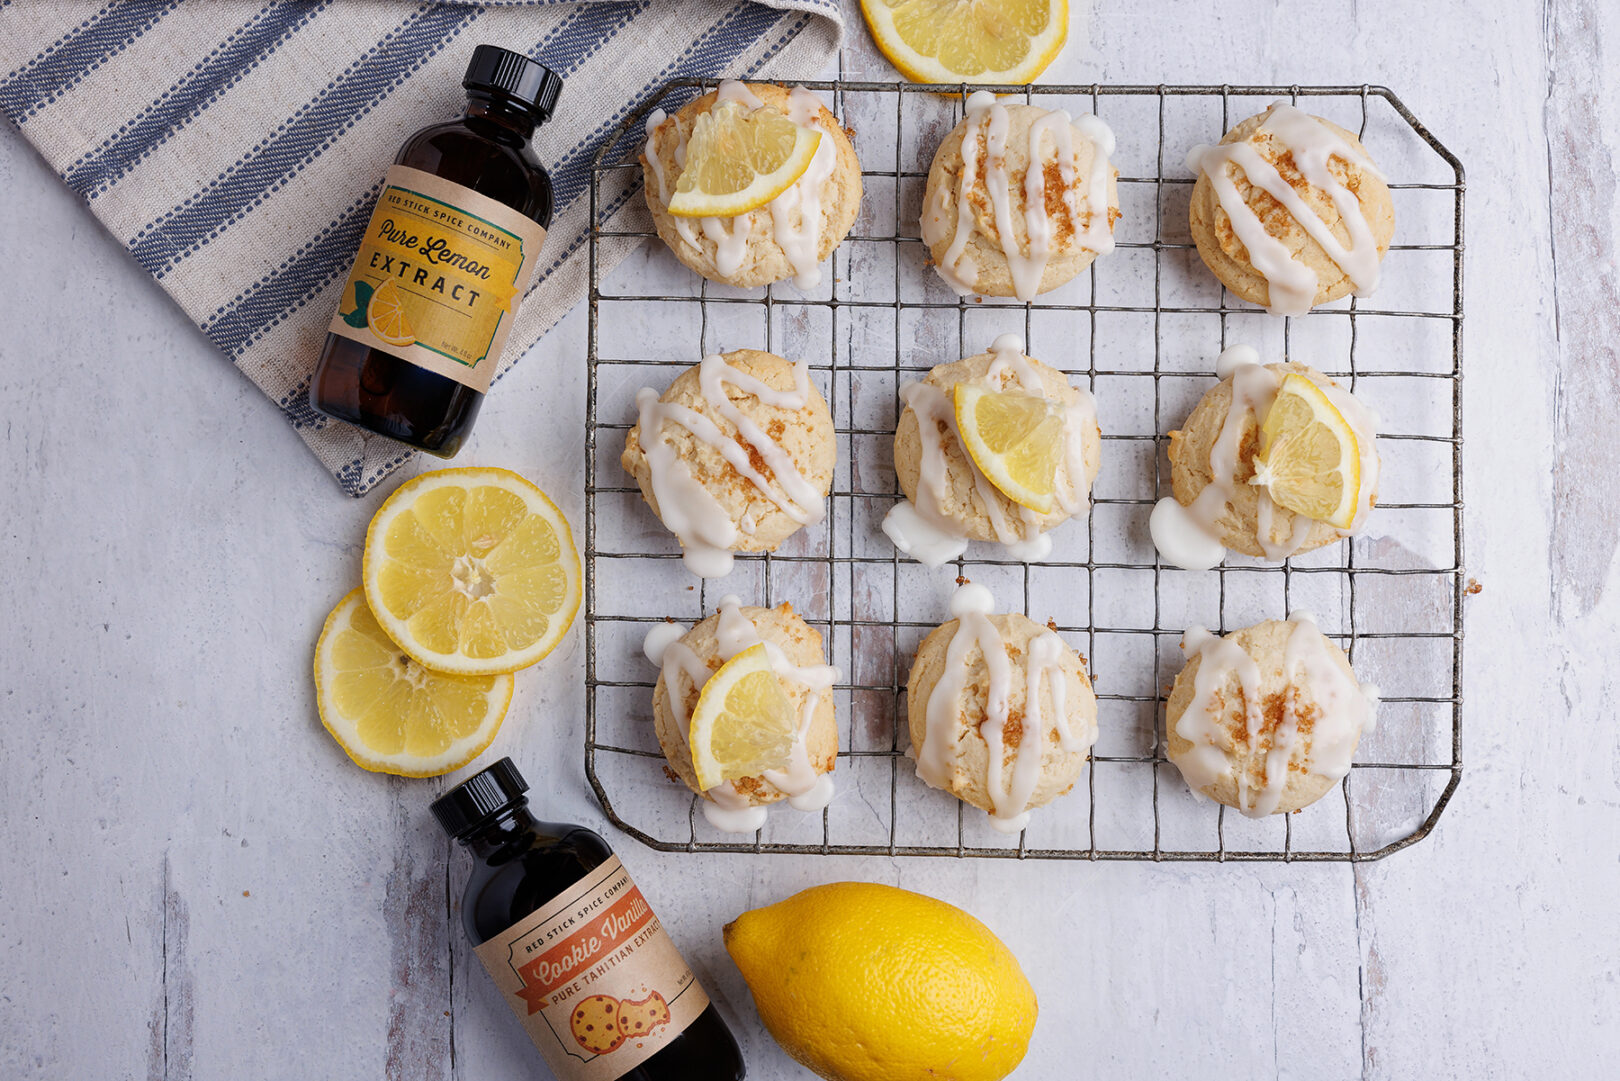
375, 381
531, 882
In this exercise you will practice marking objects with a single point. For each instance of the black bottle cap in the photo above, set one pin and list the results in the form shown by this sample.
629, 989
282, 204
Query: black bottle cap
479, 796
528, 82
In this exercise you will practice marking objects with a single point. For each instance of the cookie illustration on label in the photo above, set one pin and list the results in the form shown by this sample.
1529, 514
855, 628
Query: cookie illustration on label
595, 1024
641, 1016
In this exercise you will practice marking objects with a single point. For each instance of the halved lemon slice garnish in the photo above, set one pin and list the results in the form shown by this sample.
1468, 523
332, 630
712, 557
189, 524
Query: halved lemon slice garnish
1015, 439
968, 41
738, 160
388, 712
472, 571
1309, 460
743, 723
385, 315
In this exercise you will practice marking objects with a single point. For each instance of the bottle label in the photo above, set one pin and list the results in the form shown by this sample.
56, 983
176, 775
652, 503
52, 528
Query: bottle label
439, 276
594, 978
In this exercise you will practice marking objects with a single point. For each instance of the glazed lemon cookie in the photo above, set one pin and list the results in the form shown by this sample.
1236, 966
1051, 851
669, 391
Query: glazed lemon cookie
1267, 719
1274, 460
1001, 713
744, 687
788, 236
997, 447
1290, 212
1019, 199
735, 456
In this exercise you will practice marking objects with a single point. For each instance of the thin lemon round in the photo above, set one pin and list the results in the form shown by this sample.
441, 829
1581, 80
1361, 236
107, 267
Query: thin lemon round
743, 722
1015, 439
1309, 460
738, 160
472, 571
385, 315
390, 714
968, 41
865, 982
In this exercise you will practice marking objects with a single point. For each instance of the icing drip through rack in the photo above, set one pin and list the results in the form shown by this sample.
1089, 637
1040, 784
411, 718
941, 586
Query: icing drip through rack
1141, 329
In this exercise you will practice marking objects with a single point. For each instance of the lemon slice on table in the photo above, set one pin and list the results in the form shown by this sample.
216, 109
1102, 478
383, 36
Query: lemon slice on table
472, 571
971, 41
743, 723
1309, 459
738, 160
385, 315
1016, 440
389, 713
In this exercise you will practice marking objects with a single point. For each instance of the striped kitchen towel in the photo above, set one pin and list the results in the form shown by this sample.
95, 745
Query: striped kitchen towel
236, 146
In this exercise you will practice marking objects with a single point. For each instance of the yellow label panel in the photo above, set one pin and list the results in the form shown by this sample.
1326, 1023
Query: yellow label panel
438, 277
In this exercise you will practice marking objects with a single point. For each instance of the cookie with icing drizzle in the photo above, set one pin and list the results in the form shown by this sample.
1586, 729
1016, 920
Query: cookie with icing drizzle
1212, 464
1001, 713
949, 500
687, 658
1267, 719
735, 456
1020, 199
1289, 211
786, 239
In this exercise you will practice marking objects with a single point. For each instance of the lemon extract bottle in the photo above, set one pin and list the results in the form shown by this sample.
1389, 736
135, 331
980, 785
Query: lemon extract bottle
574, 947
443, 264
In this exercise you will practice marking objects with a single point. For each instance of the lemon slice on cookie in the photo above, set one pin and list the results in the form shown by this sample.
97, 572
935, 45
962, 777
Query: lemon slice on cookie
739, 159
389, 713
1309, 460
1016, 440
743, 723
472, 571
968, 41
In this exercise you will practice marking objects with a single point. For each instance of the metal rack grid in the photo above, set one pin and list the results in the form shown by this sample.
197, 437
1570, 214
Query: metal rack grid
1416, 765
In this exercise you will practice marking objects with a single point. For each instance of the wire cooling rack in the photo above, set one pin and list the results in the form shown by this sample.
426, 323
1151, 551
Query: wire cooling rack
1141, 329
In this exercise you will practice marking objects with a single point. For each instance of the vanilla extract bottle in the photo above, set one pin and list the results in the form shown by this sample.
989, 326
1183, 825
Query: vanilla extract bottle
574, 947
445, 260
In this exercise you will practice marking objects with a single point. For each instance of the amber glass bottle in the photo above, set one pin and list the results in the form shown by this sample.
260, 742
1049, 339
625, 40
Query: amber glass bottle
575, 948
445, 259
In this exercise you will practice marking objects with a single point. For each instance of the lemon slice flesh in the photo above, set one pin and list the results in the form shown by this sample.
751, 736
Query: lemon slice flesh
389, 713
385, 315
1309, 460
1016, 440
971, 41
738, 160
743, 723
472, 571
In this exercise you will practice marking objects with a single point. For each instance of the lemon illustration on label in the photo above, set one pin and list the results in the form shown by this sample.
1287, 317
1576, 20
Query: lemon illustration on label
385, 315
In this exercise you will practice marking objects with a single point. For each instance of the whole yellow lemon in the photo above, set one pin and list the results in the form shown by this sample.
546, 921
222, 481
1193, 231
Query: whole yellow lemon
864, 982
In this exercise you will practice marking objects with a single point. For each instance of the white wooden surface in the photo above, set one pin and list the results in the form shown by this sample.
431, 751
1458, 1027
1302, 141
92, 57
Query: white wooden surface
199, 885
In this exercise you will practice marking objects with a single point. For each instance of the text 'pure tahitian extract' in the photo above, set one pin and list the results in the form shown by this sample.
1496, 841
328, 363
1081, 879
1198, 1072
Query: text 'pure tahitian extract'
443, 264
575, 948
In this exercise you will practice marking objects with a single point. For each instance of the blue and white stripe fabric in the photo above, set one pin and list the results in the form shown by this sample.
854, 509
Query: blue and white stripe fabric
236, 146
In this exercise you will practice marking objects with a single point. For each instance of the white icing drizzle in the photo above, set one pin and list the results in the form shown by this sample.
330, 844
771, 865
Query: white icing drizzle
940, 750
1292, 284
706, 531
796, 214
1181, 540
1343, 710
931, 541
990, 120
1186, 537
1234, 357
725, 808
923, 531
